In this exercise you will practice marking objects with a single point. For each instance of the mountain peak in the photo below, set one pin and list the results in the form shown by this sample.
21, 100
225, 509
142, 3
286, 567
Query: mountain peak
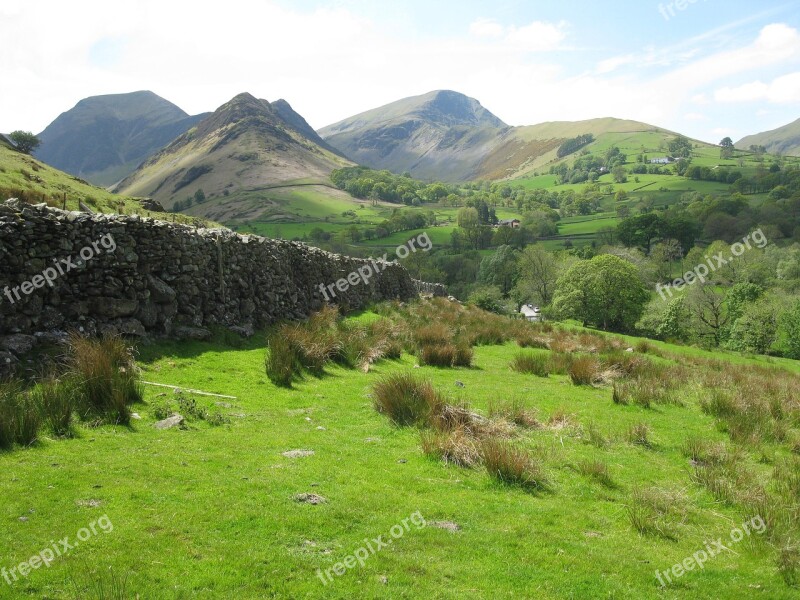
443, 126
104, 138
454, 108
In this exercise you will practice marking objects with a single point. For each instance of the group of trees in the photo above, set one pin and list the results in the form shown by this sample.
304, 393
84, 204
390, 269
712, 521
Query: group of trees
574, 144
589, 167
199, 197
365, 183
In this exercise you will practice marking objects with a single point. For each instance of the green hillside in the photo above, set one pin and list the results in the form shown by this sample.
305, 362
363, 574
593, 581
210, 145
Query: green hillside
624, 489
24, 177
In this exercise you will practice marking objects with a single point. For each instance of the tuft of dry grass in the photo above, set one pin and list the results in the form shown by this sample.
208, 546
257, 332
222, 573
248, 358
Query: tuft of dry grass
514, 412
596, 470
105, 374
639, 434
656, 511
281, 361
456, 447
528, 338
511, 465
530, 362
584, 370
594, 436
406, 399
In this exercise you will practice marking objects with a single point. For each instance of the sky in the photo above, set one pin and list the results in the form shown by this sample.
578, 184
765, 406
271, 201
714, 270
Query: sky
705, 68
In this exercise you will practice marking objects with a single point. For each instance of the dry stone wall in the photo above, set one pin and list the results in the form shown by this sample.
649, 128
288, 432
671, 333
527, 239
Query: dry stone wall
162, 278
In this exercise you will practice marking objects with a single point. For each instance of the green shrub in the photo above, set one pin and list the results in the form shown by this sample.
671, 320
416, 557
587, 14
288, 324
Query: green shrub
160, 409
217, 419
654, 511
20, 417
559, 363
187, 407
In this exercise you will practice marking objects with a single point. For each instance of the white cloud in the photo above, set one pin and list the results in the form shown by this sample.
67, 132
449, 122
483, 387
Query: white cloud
537, 36
725, 131
693, 116
782, 90
486, 28
613, 63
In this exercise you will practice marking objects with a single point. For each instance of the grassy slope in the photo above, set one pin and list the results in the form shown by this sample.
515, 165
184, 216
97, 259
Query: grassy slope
207, 513
21, 174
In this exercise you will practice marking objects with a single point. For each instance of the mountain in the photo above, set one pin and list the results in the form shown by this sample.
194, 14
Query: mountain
441, 131
231, 162
448, 136
104, 138
783, 140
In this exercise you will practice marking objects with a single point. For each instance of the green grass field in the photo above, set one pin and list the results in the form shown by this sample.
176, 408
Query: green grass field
208, 512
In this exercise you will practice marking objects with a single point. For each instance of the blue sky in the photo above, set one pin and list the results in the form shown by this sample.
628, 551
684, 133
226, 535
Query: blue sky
707, 68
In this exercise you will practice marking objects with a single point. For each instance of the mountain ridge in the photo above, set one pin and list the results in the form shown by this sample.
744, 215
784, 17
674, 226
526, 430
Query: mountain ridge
449, 136
781, 140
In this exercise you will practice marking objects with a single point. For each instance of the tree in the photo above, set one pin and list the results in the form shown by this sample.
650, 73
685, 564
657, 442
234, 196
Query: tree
726, 148
25, 141
488, 298
666, 321
474, 232
199, 196
620, 174
499, 269
537, 272
708, 307
605, 291
680, 146
789, 332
